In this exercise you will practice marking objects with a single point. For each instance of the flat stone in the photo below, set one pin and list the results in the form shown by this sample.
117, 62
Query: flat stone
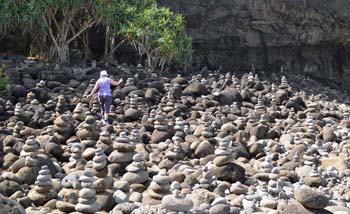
172, 203
120, 197
88, 208
338, 162
65, 206
122, 185
223, 160
135, 178
219, 209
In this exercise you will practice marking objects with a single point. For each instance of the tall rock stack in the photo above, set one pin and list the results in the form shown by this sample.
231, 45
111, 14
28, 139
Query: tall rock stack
31, 167
133, 113
78, 113
105, 142
179, 127
62, 128
61, 105
88, 132
161, 132
103, 183
87, 195
122, 155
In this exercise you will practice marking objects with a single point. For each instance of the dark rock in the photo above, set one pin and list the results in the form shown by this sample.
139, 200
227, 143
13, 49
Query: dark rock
196, 88
133, 114
9, 206
230, 172
8, 187
18, 91
160, 136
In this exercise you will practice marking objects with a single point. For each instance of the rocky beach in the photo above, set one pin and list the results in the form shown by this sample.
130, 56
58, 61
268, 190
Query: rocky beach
201, 142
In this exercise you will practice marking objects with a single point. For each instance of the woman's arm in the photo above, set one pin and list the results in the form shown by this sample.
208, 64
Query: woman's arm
94, 90
115, 83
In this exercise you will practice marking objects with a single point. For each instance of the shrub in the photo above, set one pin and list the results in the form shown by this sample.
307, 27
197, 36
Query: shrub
4, 80
159, 34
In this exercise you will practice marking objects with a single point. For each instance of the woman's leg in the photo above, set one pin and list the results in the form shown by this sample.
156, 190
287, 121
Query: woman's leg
107, 107
102, 102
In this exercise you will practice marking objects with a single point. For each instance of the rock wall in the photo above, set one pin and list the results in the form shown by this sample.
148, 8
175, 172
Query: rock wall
305, 36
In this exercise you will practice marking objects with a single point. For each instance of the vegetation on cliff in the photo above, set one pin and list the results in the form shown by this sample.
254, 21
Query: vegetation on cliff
4, 80
54, 27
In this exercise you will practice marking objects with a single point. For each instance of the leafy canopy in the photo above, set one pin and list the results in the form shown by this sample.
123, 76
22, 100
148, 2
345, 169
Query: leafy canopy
160, 35
156, 32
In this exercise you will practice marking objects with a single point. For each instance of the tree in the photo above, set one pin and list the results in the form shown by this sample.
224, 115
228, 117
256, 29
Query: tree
53, 25
117, 13
62, 21
158, 34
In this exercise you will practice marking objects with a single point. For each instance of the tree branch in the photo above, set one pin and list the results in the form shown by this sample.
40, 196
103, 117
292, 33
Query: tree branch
50, 32
82, 30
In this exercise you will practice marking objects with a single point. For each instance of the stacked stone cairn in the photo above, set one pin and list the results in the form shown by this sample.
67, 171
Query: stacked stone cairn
87, 195
223, 167
159, 187
123, 153
61, 105
161, 132
176, 202
42, 191
136, 171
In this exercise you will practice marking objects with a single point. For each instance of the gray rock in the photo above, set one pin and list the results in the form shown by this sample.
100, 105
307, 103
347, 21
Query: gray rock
172, 203
125, 208
9, 206
219, 209
310, 198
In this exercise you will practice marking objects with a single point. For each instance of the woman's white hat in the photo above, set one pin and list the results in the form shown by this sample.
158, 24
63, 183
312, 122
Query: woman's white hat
103, 73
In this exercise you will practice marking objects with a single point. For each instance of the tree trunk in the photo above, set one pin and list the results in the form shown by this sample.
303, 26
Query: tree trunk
110, 56
149, 61
87, 52
106, 42
63, 53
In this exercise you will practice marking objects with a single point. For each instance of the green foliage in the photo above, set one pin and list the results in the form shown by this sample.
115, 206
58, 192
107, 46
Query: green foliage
4, 80
160, 35
155, 32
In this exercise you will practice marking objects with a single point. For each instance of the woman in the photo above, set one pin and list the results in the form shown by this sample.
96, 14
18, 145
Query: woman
103, 85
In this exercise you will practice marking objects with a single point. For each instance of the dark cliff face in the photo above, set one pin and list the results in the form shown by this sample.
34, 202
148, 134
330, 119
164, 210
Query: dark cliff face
305, 36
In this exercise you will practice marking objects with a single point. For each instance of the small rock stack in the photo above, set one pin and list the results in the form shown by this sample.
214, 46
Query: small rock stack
42, 192
136, 171
223, 168
76, 160
158, 188
176, 202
